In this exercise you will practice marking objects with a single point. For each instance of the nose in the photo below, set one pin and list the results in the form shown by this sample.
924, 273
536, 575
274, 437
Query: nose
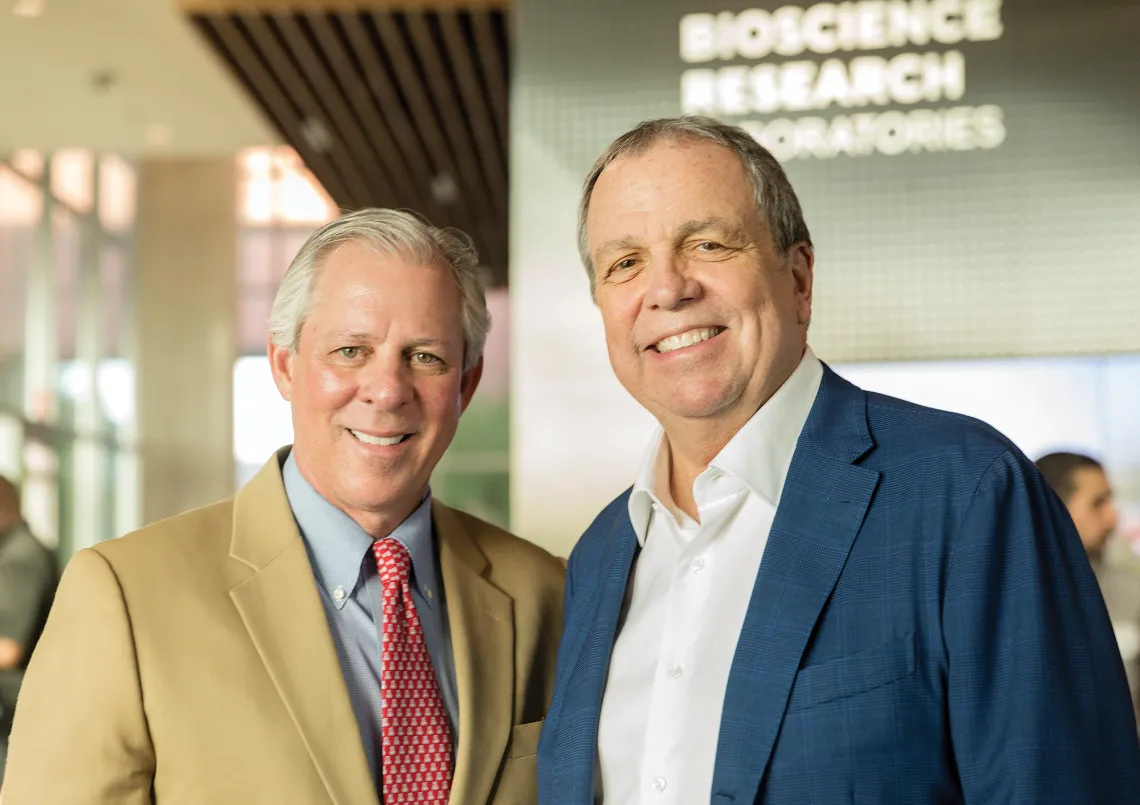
671, 285
1112, 517
386, 383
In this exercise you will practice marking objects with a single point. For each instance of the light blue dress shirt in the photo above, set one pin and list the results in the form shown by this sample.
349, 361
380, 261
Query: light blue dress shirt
340, 552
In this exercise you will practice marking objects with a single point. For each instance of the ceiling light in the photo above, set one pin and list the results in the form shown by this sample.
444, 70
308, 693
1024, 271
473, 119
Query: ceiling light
316, 134
157, 134
443, 188
29, 9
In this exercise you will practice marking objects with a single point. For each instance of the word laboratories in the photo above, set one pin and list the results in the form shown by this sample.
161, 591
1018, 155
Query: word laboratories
765, 77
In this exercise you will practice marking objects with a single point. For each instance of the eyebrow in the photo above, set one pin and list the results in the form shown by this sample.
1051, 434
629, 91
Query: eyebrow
619, 244
425, 342
351, 336
733, 232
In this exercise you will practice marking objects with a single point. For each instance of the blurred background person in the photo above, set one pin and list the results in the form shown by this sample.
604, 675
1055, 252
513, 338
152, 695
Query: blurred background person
1082, 484
27, 582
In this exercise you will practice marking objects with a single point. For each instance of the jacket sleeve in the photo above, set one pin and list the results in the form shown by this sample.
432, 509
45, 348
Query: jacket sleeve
25, 581
80, 735
1038, 704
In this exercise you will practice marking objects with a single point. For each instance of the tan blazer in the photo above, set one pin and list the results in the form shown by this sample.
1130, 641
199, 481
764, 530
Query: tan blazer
193, 658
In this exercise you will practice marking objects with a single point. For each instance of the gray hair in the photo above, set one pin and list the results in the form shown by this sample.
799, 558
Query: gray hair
775, 198
395, 232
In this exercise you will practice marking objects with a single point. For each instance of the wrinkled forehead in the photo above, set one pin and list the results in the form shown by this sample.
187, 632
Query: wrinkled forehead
666, 190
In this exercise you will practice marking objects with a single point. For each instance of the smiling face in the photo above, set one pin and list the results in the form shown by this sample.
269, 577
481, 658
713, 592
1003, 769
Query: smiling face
703, 320
377, 384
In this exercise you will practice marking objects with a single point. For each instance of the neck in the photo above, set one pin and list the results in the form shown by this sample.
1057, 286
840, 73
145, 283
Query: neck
379, 525
694, 442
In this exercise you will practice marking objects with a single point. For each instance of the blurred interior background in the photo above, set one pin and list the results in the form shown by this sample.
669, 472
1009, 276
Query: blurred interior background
969, 173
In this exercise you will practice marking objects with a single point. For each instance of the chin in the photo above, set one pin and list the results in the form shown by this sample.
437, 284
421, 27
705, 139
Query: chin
698, 400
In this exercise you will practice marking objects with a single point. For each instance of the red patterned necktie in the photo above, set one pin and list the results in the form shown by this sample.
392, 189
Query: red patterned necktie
415, 737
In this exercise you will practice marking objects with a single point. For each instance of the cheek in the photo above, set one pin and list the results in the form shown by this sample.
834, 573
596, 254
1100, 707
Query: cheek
440, 400
619, 318
328, 388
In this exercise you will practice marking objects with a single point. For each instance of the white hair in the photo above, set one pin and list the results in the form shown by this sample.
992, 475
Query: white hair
775, 198
395, 232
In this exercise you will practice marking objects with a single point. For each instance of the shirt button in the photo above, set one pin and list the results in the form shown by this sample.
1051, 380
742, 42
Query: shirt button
659, 784
698, 564
675, 672
338, 594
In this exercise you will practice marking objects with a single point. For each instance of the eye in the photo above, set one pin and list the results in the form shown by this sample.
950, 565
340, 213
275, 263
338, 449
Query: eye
425, 358
349, 353
708, 247
624, 264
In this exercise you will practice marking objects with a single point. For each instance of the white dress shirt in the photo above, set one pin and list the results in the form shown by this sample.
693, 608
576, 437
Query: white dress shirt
685, 604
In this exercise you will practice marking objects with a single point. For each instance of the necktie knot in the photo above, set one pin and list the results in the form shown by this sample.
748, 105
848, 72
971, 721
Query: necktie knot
393, 562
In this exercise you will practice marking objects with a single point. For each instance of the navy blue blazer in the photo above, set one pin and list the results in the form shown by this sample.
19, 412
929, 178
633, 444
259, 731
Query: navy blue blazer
924, 628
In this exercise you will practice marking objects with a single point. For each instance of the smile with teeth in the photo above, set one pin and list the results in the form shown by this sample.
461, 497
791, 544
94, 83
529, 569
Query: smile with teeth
382, 441
675, 342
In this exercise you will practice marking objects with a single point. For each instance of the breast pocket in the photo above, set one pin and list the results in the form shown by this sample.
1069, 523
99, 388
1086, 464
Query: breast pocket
844, 677
524, 739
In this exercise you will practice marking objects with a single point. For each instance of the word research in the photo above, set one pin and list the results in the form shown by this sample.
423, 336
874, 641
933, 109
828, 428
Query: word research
798, 86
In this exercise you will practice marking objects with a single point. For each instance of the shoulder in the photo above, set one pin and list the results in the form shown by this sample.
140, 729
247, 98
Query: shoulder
511, 556
185, 539
597, 535
931, 440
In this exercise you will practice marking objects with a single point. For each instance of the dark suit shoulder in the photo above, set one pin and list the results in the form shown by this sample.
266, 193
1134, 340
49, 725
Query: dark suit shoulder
616, 511
904, 432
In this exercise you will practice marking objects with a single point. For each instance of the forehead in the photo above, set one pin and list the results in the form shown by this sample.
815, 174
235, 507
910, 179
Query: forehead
671, 183
357, 275
1090, 481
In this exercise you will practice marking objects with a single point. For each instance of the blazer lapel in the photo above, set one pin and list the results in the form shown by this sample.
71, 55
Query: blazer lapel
481, 619
282, 611
590, 658
822, 506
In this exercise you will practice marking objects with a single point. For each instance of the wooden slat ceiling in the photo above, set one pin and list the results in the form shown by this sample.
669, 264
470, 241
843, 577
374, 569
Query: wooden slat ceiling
388, 107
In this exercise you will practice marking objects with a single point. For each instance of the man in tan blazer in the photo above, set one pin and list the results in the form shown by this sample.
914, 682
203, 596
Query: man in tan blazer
232, 654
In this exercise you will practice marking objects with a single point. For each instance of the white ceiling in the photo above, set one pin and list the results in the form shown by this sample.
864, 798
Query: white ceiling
167, 93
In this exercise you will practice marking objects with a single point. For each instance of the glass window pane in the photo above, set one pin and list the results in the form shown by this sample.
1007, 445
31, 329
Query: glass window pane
72, 174
66, 245
115, 300
21, 202
276, 187
28, 162
117, 194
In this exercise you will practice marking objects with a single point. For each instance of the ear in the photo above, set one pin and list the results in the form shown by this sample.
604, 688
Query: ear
468, 384
801, 260
281, 364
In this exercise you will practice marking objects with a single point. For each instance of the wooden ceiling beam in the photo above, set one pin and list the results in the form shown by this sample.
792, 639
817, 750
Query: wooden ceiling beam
494, 72
475, 103
311, 108
427, 124
328, 90
276, 104
479, 182
385, 146
306, 6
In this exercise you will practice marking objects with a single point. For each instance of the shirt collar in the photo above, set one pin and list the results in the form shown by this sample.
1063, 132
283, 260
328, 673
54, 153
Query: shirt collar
337, 545
759, 454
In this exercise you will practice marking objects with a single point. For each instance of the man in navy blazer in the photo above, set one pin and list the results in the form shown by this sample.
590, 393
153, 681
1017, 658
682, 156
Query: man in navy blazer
812, 594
